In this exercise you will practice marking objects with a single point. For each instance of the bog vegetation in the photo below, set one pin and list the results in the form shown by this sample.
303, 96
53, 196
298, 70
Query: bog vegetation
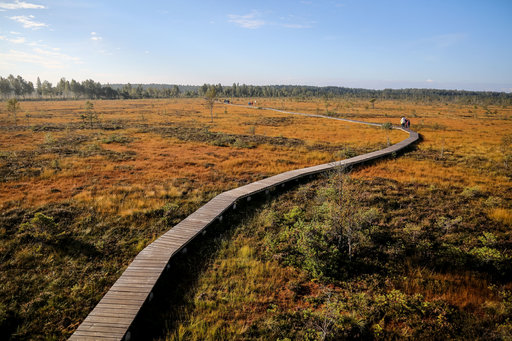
416, 246
86, 185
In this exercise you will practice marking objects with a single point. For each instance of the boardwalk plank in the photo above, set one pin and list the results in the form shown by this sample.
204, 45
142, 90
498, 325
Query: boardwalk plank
81, 337
105, 328
123, 300
97, 335
114, 313
116, 310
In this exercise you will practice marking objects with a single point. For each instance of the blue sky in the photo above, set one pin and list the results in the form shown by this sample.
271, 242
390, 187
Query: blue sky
355, 43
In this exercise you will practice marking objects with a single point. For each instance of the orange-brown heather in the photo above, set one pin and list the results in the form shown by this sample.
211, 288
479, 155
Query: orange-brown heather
144, 164
153, 164
455, 186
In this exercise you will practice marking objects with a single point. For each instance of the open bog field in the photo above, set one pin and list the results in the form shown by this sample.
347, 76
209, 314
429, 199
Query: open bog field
415, 247
161, 148
83, 191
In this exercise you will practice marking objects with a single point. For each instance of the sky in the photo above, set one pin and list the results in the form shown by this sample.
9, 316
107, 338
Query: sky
445, 44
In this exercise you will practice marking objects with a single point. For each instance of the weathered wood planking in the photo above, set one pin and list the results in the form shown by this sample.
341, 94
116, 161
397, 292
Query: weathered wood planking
114, 314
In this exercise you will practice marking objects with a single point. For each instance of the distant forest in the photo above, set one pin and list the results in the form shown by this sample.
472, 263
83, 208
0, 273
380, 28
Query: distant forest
20, 88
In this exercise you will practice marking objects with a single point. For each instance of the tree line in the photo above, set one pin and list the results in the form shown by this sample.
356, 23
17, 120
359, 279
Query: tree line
17, 87
89, 89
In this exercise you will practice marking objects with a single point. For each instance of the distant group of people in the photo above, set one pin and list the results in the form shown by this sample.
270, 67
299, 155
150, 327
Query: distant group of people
405, 123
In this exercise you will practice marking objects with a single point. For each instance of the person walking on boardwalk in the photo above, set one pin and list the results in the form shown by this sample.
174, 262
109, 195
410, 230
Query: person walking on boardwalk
402, 121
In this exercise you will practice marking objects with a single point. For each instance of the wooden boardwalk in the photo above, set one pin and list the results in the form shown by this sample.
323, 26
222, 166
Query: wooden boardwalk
112, 318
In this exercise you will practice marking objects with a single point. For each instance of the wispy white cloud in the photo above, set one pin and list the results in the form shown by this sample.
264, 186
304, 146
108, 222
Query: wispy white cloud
34, 52
250, 21
101, 48
17, 40
105, 52
295, 22
28, 21
296, 26
53, 52
95, 36
254, 20
19, 5
47, 58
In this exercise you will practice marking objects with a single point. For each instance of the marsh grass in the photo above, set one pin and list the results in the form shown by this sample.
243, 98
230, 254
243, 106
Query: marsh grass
436, 265
112, 189
502, 215
164, 148
418, 281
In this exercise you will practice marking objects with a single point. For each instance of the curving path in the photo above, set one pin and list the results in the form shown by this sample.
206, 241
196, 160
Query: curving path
113, 316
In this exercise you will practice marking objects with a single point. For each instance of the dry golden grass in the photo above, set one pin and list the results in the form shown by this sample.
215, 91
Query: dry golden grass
136, 166
449, 132
461, 289
461, 152
502, 215
161, 167
462, 147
